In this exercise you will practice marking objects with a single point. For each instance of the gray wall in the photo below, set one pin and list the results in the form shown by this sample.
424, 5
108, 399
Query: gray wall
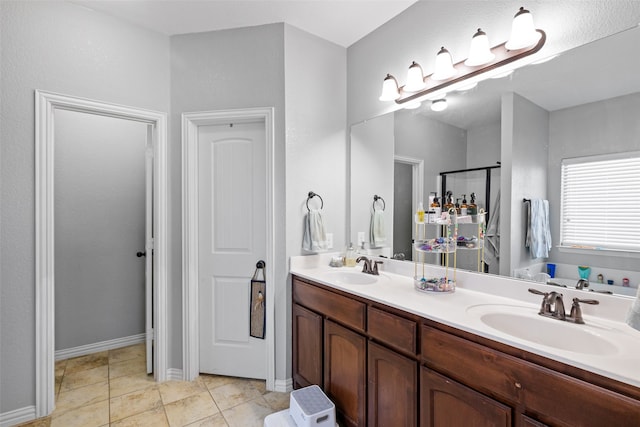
315, 72
525, 148
483, 145
59, 47
610, 126
99, 227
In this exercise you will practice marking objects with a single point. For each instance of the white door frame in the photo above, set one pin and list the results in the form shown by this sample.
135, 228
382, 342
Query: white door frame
46, 104
190, 330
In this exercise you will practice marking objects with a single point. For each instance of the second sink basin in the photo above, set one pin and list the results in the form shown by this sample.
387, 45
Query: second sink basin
350, 278
524, 323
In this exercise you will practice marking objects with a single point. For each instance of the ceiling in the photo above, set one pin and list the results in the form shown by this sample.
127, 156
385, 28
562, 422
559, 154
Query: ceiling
342, 22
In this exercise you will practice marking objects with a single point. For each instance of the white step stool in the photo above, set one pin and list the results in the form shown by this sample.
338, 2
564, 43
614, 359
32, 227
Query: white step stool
309, 407
281, 419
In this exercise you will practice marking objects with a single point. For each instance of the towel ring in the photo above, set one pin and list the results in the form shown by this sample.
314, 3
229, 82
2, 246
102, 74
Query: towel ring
310, 196
375, 199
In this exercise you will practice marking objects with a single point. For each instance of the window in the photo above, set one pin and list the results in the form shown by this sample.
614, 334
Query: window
600, 202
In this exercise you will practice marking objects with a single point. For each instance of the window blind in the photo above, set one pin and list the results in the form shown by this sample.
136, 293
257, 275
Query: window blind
600, 202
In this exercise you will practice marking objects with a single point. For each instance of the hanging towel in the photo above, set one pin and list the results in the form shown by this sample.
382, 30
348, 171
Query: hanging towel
377, 235
314, 238
492, 235
538, 234
633, 316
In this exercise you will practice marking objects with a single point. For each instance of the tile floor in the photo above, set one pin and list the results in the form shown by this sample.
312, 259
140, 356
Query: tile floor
111, 388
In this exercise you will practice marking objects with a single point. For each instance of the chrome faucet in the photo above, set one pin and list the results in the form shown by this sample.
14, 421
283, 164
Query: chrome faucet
369, 267
582, 283
555, 301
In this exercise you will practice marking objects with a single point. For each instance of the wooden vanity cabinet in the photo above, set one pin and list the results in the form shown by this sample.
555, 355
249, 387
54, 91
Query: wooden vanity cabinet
384, 367
366, 361
445, 403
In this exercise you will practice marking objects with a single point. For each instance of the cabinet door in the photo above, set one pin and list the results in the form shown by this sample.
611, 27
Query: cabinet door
345, 373
447, 403
307, 347
530, 422
392, 388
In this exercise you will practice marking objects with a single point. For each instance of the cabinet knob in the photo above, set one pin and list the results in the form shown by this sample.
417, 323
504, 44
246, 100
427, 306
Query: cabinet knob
518, 385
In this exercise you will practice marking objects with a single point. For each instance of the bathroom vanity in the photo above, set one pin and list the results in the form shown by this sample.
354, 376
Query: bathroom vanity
387, 355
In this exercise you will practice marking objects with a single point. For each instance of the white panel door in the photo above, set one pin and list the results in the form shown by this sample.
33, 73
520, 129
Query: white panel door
232, 225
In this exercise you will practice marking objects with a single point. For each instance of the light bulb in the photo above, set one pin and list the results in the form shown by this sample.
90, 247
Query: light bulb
444, 66
415, 78
479, 51
390, 90
523, 32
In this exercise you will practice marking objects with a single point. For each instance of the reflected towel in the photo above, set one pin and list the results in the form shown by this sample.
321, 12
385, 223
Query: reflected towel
314, 238
538, 237
377, 235
492, 235
633, 316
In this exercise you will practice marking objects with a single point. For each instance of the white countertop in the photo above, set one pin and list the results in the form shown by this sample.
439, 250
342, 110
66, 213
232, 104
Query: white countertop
394, 287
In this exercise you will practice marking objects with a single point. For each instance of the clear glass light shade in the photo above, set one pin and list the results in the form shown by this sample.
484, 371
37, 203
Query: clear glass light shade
444, 66
479, 51
415, 78
390, 90
523, 32
439, 105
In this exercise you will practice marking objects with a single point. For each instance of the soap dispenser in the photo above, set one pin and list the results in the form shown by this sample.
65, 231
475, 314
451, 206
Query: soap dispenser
463, 206
435, 207
472, 208
350, 256
448, 204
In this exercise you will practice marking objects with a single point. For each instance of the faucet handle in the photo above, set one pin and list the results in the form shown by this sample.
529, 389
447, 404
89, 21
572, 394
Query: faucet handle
545, 308
375, 267
537, 292
576, 312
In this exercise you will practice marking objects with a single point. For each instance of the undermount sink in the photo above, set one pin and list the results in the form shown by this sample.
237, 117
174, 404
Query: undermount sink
525, 323
350, 278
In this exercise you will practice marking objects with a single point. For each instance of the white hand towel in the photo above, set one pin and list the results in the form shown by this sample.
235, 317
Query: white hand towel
314, 238
633, 316
492, 235
377, 235
540, 232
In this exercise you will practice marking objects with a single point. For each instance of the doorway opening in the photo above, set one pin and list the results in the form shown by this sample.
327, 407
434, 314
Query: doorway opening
408, 193
47, 104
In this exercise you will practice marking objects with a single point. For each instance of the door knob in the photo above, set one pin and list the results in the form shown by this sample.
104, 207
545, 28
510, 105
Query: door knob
141, 254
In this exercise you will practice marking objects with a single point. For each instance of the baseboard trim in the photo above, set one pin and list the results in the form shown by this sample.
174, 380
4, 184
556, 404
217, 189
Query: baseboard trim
174, 374
17, 416
283, 386
83, 350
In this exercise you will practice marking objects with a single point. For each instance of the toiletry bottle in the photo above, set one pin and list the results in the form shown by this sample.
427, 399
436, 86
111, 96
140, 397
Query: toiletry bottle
448, 204
457, 205
472, 208
350, 256
435, 207
463, 206
420, 214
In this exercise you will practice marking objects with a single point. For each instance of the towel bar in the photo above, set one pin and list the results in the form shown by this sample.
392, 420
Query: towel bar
375, 199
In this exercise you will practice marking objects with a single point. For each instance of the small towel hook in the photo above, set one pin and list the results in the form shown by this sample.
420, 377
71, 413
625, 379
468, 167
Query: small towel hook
375, 199
310, 196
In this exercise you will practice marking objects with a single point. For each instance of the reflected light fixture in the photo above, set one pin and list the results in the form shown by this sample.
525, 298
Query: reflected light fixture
483, 62
439, 105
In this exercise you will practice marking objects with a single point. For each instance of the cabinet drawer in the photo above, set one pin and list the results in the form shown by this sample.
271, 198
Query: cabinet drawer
337, 307
550, 397
393, 330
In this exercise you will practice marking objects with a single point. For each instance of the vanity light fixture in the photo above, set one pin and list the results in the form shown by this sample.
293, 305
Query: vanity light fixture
481, 64
439, 105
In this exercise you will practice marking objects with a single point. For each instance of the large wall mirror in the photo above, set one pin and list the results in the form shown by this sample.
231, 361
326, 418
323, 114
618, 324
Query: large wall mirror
584, 102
